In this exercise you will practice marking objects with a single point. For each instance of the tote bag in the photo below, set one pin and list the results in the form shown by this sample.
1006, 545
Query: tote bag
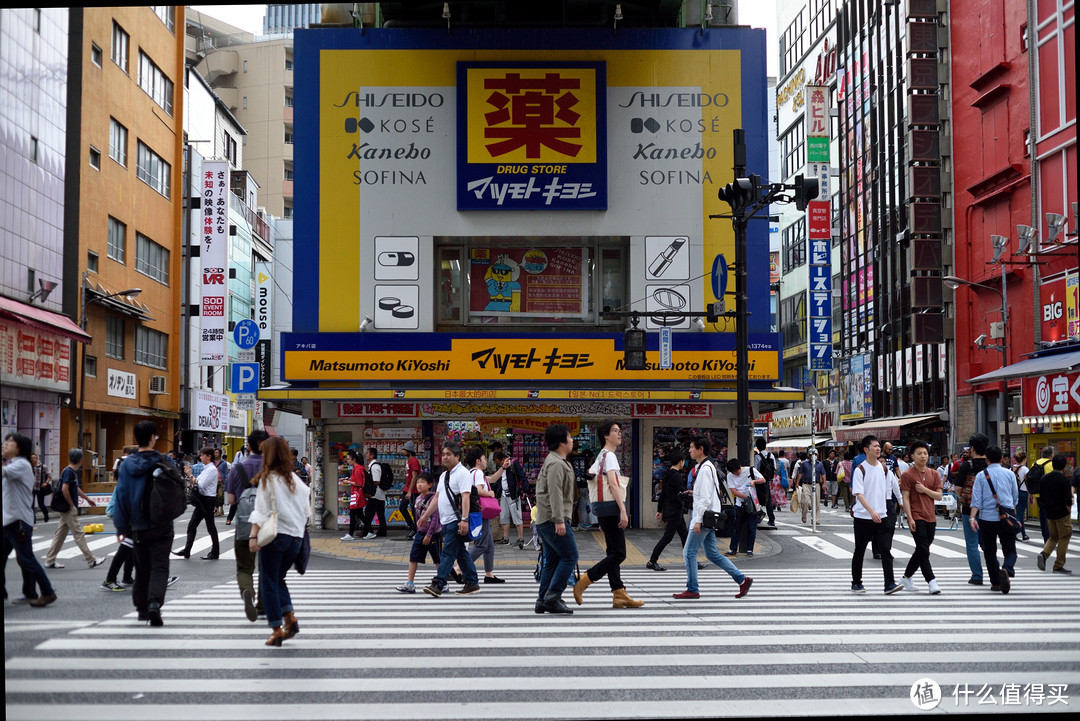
603, 505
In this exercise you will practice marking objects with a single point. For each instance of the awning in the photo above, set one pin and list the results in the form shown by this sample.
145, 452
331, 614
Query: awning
42, 319
886, 429
717, 395
1032, 366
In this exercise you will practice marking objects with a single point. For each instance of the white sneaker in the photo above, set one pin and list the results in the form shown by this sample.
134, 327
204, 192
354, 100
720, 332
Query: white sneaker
369, 536
348, 537
907, 583
934, 588
96, 562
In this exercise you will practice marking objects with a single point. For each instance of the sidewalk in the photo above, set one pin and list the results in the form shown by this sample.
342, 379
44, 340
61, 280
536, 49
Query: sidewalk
639, 544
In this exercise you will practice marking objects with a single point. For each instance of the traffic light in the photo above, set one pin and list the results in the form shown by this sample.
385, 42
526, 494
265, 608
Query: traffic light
738, 194
806, 189
634, 349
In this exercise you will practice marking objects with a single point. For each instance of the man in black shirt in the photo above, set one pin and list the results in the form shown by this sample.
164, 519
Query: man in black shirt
965, 479
1055, 501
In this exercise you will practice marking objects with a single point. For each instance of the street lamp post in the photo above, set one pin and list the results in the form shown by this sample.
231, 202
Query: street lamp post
83, 302
954, 282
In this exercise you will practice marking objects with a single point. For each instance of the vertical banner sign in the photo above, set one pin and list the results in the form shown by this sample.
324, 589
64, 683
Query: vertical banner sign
819, 225
213, 261
264, 295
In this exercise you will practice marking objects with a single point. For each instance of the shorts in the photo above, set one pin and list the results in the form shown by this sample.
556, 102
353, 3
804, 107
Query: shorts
511, 510
419, 551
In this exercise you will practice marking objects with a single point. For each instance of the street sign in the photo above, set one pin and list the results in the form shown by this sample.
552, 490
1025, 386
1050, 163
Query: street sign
665, 348
245, 377
719, 277
246, 356
246, 334
246, 402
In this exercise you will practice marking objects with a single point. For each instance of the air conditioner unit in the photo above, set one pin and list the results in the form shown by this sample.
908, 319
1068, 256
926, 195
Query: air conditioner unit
157, 386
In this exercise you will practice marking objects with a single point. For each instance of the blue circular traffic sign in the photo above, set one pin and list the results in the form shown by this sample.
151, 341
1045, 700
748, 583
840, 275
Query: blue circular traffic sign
246, 334
719, 277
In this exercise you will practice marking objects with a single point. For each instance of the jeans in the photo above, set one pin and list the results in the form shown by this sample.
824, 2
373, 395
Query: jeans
124, 557
245, 570
743, 515
406, 509
152, 548
203, 511
560, 557
707, 538
375, 507
275, 560
989, 533
69, 521
923, 532
879, 535
485, 546
1021, 511
615, 540
971, 541
677, 526
17, 537
584, 509
454, 550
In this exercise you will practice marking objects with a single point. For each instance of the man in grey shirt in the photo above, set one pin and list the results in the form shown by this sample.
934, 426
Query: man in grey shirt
18, 484
554, 507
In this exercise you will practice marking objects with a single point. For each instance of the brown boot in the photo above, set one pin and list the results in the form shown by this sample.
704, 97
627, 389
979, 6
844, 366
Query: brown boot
579, 587
276, 637
291, 626
620, 599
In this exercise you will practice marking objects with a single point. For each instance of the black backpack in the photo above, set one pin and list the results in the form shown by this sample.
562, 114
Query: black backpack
165, 496
768, 467
386, 480
1034, 476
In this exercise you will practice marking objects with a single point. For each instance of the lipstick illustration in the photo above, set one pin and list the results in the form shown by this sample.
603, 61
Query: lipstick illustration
663, 259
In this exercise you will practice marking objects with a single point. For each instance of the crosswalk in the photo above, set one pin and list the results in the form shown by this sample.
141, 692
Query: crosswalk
799, 644
105, 544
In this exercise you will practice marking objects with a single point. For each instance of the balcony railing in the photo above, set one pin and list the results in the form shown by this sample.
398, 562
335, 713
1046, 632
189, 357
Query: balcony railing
258, 225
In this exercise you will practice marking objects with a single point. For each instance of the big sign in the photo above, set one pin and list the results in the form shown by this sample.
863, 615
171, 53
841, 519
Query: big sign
1051, 394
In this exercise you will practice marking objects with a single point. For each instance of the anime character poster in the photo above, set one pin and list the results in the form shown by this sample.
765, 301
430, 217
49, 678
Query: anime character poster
528, 282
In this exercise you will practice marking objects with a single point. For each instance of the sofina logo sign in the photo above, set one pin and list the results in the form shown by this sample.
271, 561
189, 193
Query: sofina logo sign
531, 136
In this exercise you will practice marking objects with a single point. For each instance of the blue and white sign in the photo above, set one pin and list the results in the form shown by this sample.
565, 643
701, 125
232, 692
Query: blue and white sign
665, 348
245, 377
246, 334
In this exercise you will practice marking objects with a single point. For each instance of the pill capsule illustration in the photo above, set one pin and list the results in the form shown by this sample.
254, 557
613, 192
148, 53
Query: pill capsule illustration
399, 258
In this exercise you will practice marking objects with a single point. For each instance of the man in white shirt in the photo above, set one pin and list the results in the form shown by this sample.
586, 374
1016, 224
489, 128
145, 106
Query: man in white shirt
743, 486
872, 483
376, 505
204, 510
453, 503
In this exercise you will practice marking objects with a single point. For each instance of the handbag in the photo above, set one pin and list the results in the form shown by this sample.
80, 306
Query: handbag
716, 520
1007, 515
476, 525
268, 528
300, 564
599, 496
193, 494
489, 508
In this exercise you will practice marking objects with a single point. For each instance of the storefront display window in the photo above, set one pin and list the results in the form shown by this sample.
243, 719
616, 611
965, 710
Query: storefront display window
666, 438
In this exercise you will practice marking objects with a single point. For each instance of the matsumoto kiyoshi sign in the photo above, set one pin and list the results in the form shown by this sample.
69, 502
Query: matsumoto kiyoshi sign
531, 136
438, 356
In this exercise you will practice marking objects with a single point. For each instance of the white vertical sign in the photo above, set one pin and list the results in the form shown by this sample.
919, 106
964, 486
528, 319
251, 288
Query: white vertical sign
213, 261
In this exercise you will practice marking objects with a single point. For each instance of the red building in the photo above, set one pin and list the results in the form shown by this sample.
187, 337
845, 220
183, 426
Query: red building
1014, 161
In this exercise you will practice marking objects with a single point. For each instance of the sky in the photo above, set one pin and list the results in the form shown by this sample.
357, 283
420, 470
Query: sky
755, 13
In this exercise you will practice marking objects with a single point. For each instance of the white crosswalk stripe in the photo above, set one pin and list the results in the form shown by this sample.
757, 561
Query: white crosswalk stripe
366, 651
105, 545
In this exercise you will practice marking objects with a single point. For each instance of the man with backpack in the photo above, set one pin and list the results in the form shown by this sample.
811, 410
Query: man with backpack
136, 517
765, 463
378, 481
974, 464
1034, 480
240, 493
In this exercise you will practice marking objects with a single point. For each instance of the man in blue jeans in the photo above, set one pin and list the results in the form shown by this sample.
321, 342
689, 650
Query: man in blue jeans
554, 506
452, 500
995, 487
965, 479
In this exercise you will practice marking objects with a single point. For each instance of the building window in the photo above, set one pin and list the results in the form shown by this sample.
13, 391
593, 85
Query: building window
114, 337
230, 149
287, 211
120, 46
117, 240
95, 158
792, 150
118, 142
167, 14
151, 259
155, 83
152, 169
794, 245
792, 44
33, 149
245, 66
245, 102
95, 54
288, 100
151, 347
37, 20
288, 172
90, 366
91, 261
288, 138
288, 63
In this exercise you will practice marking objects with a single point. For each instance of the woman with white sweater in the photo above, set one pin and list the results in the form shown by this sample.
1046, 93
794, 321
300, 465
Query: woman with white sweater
707, 497
282, 492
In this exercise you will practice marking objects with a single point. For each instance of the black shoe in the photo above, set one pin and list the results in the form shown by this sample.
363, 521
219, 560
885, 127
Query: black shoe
249, 605
210, 557
458, 578
1040, 561
144, 616
975, 581
654, 566
702, 566
877, 556
410, 536
494, 579
1063, 570
182, 554
540, 607
153, 615
468, 590
557, 606
503, 542
1005, 583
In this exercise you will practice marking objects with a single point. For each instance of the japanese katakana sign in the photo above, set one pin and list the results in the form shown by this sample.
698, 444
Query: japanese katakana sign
213, 261
531, 136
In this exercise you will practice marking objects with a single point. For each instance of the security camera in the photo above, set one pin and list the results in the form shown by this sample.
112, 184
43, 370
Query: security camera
980, 340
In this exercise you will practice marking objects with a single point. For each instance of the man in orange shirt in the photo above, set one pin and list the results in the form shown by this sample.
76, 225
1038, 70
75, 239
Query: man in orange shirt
920, 486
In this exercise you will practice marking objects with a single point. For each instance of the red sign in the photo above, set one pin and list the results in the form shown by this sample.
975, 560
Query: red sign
1051, 394
672, 410
818, 219
364, 410
1053, 314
